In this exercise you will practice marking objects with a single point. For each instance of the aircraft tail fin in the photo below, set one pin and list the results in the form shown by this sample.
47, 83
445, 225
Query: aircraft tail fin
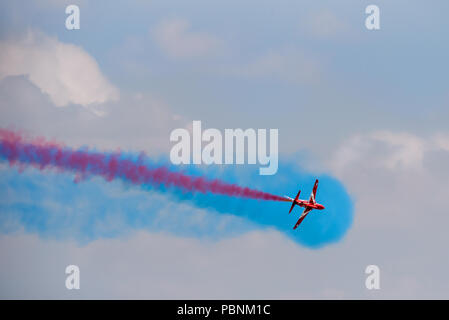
313, 195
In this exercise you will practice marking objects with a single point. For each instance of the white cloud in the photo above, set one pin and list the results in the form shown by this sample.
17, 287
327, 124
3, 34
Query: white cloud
65, 72
178, 41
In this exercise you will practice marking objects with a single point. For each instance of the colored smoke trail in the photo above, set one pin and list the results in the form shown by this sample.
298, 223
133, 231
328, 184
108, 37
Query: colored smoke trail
42, 154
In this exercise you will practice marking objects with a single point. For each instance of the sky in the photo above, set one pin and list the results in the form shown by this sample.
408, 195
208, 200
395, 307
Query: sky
365, 111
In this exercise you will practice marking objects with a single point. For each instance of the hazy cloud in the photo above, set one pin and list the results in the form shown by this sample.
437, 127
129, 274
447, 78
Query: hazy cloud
157, 266
176, 39
324, 23
399, 180
140, 122
287, 65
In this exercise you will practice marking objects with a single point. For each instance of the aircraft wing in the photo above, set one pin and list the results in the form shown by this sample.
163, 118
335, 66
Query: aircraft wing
295, 201
304, 214
312, 196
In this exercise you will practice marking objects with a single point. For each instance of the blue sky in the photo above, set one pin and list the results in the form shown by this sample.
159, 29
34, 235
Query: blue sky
377, 71
365, 110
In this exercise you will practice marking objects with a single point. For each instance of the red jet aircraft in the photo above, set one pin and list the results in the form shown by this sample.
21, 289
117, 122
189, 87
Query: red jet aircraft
308, 205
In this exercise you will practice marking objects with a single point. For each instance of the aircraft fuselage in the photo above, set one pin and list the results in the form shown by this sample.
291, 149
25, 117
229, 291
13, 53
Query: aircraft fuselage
304, 204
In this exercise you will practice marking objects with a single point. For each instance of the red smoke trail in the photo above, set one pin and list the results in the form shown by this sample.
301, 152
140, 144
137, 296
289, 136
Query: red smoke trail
42, 154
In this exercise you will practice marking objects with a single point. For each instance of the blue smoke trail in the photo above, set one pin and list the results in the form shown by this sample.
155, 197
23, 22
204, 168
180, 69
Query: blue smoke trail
53, 206
318, 229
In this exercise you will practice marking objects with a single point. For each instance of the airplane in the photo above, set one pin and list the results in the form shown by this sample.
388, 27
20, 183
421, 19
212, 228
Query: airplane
307, 205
